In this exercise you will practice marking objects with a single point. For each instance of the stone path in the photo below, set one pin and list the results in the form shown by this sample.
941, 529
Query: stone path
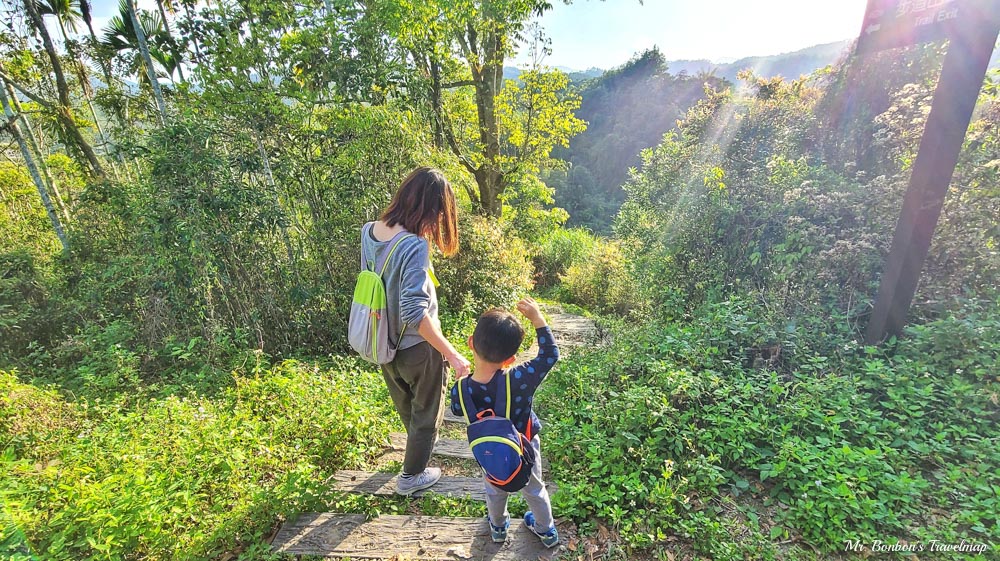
353, 536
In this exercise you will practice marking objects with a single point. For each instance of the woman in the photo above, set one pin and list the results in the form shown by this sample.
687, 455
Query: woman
425, 207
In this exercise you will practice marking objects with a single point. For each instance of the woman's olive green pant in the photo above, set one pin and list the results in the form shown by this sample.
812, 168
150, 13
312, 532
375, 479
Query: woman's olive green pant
416, 379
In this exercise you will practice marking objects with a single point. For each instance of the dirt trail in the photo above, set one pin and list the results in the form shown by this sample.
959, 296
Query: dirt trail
571, 330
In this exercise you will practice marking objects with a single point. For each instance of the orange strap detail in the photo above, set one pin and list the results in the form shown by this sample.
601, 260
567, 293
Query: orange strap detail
498, 482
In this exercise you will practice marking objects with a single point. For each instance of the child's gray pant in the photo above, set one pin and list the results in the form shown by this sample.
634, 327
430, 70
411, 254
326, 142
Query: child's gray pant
534, 494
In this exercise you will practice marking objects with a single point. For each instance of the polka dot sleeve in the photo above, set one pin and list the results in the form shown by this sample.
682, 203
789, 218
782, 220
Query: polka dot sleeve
533, 372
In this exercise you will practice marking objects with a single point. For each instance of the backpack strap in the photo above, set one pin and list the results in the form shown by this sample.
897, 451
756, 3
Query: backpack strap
470, 417
383, 261
365, 232
503, 397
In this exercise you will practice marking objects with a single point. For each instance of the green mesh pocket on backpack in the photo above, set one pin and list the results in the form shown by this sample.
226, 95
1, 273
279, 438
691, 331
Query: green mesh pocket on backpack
368, 323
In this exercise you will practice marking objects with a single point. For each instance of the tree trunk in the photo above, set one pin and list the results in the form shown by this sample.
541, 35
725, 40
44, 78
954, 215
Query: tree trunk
277, 201
33, 145
88, 92
50, 182
140, 36
86, 12
194, 39
170, 38
490, 177
436, 102
15, 129
64, 113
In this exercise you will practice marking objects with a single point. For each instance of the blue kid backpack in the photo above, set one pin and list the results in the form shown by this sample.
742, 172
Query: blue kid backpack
504, 454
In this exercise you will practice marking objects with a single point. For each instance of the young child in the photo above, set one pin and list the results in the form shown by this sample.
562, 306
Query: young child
494, 344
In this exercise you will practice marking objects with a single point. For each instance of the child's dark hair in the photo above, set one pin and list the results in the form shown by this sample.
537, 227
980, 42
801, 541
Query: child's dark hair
498, 335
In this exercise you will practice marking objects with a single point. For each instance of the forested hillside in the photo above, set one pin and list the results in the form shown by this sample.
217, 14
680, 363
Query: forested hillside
180, 201
627, 110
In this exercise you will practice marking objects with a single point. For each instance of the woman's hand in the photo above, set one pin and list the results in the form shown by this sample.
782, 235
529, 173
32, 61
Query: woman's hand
460, 364
431, 332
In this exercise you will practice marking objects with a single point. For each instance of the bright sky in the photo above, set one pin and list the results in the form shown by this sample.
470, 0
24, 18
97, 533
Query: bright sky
104, 10
607, 33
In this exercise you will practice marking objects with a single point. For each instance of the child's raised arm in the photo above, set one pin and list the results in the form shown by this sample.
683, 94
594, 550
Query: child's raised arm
548, 352
529, 309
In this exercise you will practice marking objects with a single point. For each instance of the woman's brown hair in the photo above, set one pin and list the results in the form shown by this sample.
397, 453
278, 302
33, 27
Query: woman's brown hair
425, 205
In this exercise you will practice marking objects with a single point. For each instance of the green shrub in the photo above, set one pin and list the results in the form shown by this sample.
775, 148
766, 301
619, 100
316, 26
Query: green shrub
669, 431
180, 478
527, 203
491, 269
558, 251
24, 223
601, 281
744, 200
23, 303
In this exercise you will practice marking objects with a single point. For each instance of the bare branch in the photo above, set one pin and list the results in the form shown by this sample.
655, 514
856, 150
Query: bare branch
453, 144
27, 93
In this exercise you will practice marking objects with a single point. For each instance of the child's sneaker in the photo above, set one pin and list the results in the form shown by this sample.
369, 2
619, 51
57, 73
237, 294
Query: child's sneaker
418, 482
498, 533
550, 537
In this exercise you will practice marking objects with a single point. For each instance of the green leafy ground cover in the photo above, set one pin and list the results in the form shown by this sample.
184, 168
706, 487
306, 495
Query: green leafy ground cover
684, 439
684, 450
184, 477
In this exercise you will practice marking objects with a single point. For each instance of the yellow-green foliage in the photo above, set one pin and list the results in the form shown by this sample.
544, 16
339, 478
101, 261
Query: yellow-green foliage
601, 280
23, 220
491, 269
183, 478
560, 249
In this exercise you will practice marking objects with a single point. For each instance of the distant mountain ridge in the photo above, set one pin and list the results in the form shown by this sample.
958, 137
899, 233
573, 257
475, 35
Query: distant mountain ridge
788, 65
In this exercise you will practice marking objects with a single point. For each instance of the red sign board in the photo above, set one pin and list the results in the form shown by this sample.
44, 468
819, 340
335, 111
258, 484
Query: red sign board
897, 23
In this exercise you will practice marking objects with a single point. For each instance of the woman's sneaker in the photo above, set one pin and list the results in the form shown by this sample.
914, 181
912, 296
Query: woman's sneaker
498, 533
408, 486
550, 537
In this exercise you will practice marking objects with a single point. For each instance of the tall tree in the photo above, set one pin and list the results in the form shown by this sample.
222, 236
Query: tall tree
67, 16
87, 14
64, 108
120, 37
50, 183
484, 33
144, 52
29, 160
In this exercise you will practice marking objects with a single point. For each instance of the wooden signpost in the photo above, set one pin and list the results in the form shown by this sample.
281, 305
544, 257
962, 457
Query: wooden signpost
971, 27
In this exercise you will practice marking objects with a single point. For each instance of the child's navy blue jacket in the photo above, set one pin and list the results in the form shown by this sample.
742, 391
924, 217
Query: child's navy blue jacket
524, 380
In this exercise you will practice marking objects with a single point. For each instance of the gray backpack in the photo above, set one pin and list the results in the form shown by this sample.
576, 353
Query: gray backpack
368, 324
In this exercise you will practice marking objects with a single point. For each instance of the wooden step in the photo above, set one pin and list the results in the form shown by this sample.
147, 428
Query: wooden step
377, 483
384, 484
409, 537
444, 447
